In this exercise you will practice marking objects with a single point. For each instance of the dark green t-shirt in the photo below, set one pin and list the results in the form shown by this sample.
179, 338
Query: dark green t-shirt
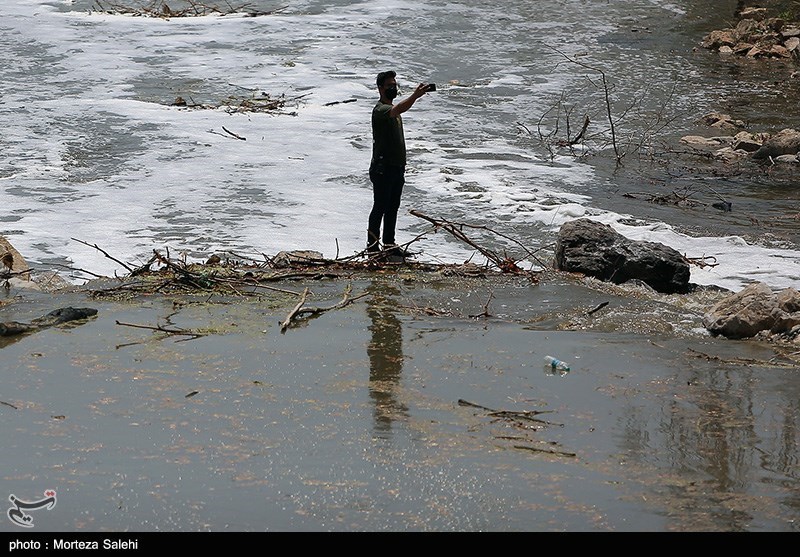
388, 141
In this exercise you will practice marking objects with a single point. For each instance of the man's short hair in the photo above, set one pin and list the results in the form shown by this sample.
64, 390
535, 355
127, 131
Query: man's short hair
383, 76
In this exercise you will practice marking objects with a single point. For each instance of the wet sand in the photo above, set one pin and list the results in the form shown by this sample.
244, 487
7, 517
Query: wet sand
423, 406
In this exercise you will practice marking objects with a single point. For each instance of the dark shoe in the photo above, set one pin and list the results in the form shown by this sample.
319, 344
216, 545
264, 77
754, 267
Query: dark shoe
396, 251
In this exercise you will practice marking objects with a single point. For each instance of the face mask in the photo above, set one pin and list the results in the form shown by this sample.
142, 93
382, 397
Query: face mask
391, 93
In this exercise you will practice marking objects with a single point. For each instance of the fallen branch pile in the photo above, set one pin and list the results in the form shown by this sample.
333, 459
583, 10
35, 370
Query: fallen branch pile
504, 263
242, 276
231, 274
179, 8
260, 102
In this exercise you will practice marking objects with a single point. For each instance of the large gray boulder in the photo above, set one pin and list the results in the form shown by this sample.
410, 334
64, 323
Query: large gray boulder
785, 142
597, 250
754, 309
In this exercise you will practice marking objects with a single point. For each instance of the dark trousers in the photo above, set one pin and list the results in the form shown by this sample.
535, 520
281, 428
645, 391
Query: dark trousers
387, 187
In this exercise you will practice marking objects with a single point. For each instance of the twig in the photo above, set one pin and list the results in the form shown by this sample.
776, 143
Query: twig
95, 246
509, 415
505, 264
286, 322
160, 9
597, 308
485, 312
462, 402
8, 273
346, 301
233, 134
188, 275
703, 261
525, 415
607, 99
549, 451
340, 102
144, 268
161, 329
583, 131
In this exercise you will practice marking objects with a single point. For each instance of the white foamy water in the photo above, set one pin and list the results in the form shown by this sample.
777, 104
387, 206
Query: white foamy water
94, 152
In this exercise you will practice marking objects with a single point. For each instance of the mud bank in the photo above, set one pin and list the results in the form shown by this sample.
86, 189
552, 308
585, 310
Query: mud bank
423, 406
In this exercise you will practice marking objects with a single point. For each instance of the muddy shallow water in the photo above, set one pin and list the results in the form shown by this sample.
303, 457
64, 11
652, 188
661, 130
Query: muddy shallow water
424, 406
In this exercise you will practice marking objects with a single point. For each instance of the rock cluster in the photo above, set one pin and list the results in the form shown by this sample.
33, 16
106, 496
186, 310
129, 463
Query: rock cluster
780, 147
757, 36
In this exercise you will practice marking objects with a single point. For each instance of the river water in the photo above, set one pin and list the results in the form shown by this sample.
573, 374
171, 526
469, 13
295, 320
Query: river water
95, 153
357, 426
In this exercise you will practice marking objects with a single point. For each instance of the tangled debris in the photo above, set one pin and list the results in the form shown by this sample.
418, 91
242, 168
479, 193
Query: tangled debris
256, 102
242, 275
180, 8
231, 274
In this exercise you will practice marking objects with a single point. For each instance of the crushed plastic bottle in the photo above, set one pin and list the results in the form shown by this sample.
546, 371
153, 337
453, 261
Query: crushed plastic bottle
554, 365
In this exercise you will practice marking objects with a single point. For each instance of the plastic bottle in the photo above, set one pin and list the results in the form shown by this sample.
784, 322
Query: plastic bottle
555, 364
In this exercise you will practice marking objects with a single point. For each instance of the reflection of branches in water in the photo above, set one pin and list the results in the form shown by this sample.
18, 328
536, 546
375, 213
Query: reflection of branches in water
523, 421
730, 428
748, 361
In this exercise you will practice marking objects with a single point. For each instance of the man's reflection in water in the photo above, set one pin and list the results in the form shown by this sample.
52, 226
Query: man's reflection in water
385, 351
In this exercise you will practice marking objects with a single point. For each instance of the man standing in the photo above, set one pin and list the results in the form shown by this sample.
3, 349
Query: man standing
388, 165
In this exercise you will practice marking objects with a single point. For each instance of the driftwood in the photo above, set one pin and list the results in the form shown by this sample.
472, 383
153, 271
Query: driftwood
299, 310
340, 102
55, 317
292, 314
